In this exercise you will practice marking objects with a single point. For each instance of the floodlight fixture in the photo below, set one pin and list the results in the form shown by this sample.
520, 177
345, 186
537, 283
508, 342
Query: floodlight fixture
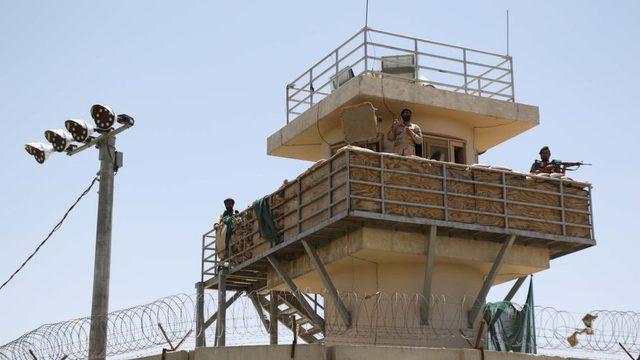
341, 77
125, 119
40, 151
103, 116
60, 139
79, 129
403, 66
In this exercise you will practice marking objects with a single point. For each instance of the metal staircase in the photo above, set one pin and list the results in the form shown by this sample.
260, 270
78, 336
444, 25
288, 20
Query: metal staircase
289, 307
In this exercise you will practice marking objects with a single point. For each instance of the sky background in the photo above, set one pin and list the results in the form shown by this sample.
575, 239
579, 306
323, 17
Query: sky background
205, 81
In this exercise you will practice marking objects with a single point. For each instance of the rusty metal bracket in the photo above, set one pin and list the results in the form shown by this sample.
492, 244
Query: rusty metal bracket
166, 338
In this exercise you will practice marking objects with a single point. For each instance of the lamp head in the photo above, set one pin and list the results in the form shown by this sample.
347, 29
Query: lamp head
125, 119
79, 129
103, 116
40, 151
60, 139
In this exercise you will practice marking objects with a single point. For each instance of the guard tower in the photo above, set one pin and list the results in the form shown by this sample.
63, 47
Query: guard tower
363, 224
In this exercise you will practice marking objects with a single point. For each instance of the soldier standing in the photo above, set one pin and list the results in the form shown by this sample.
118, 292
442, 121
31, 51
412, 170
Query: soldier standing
405, 135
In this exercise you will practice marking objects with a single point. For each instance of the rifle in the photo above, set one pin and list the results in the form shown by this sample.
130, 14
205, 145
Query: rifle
566, 165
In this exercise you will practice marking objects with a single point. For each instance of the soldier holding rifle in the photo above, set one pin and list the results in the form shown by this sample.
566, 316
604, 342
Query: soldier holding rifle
547, 166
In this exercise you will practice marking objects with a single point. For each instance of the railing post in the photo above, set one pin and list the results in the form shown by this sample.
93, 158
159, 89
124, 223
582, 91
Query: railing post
366, 51
298, 207
204, 245
444, 193
287, 104
593, 231
311, 89
330, 192
382, 187
504, 201
562, 213
415, 55
513, 86
464, 62
337, 69
348, 183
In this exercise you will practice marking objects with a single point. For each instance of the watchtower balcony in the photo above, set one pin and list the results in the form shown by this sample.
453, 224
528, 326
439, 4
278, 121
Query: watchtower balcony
358, 188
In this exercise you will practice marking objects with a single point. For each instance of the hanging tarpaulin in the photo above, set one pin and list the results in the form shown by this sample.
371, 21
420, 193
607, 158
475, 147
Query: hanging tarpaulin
510, 329
266, 226
227, 228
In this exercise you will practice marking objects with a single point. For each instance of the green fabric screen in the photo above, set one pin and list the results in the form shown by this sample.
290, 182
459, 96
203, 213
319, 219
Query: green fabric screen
510, 329
266, 225
228, 221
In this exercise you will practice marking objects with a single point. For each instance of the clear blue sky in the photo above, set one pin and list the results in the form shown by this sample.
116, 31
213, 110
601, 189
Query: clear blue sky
205, 81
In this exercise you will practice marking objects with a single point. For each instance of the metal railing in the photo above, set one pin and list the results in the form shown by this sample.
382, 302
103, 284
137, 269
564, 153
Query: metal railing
465, 197
503, 181
443, 66
209, 255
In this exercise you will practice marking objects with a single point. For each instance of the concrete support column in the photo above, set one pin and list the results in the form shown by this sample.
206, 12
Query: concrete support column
428, 274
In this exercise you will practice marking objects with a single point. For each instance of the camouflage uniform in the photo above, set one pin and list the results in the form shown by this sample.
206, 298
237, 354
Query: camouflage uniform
542, 167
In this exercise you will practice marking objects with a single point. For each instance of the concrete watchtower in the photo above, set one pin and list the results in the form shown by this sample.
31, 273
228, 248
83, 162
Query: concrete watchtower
364, 225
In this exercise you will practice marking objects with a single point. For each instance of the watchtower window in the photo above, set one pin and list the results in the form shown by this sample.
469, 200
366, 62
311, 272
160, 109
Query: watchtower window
444, 149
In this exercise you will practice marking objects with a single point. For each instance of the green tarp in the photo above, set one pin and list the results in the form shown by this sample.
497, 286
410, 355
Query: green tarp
265, 220
510, 329
228, 221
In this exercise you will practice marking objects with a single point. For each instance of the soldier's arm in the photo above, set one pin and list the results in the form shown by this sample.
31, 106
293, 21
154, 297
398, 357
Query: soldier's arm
391, 134
534, 168
416, 134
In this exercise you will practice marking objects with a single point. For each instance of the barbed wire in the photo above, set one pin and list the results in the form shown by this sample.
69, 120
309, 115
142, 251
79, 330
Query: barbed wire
376, 318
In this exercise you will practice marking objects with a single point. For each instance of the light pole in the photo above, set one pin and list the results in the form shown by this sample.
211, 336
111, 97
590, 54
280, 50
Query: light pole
110, 161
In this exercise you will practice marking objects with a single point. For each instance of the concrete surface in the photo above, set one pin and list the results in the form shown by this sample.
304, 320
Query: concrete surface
481, 123
343, 352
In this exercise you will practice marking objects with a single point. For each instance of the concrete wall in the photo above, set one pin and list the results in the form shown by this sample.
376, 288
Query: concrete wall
430, 124
481, 122
371, 260
342, 352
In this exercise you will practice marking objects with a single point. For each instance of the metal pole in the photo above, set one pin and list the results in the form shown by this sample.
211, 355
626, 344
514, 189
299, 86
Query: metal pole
415, 54
366, 52
515, 288
222, 308
366, 15
287, 103
102, 265
200, 330
273, 318
464, 64
513, 87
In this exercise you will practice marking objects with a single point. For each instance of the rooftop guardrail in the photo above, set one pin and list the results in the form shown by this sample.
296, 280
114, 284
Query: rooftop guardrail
443, 66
